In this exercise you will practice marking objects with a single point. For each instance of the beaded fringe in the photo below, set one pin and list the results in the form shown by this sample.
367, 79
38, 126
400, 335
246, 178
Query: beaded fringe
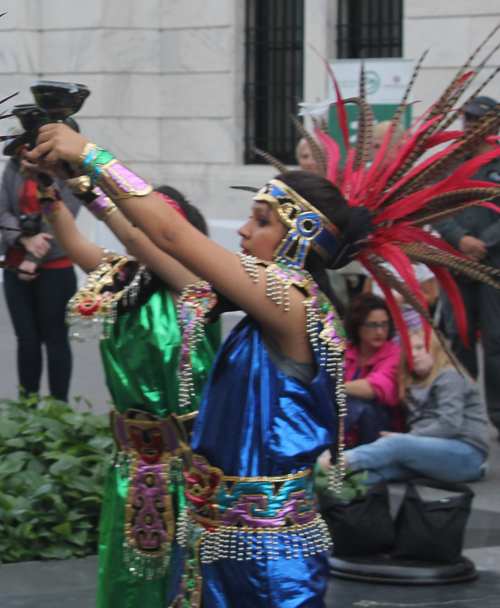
194, 303
85, 328
329, 355
243, 544
141, 566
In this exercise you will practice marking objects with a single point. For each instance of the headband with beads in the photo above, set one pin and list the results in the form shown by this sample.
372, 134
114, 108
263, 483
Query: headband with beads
307, 227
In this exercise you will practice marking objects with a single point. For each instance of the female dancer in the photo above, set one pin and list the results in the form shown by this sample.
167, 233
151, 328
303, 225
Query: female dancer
269, 408
140, 354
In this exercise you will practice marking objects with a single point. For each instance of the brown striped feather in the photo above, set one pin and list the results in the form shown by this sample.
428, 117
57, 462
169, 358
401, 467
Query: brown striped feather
269, 158
365, 131
316, 149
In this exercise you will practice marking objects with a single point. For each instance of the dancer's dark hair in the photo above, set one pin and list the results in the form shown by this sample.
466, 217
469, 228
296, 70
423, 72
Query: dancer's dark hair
193, 215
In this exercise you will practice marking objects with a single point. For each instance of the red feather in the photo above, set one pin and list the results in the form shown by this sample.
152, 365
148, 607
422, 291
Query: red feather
455, 297
490, 206
332, 150
394, 310
403, 266
405, 233
341, 113
348, 172
414, 202
441, 138
398, 160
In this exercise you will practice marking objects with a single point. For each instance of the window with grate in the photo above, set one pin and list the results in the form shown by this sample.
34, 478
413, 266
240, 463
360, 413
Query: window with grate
370, 28
274, 76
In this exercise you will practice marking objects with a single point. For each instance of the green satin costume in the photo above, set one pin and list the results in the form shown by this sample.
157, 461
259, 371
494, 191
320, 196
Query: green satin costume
140, 360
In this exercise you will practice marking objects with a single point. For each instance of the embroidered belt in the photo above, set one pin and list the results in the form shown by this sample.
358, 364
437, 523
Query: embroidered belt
149, 449
251, 517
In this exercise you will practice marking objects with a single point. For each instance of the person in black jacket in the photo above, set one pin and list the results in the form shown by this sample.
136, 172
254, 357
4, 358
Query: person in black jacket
36, 302
476, 233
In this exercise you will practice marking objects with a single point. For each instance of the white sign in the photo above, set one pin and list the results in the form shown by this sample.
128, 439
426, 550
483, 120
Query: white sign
386, 79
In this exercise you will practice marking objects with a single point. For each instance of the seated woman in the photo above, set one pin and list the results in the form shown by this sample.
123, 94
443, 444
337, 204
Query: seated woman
430, 290
370, 371
448, 436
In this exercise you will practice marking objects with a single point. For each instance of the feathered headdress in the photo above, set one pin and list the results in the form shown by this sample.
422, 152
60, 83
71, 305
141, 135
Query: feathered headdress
402, 195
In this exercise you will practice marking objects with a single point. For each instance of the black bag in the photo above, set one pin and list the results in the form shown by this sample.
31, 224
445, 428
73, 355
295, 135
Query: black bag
433, 529
362, 526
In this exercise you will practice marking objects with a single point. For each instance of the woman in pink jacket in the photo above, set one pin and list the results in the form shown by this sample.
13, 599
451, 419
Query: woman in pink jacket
371, 371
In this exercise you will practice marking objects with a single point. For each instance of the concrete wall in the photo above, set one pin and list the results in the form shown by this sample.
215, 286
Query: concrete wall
167, 76
451, 31
166, 79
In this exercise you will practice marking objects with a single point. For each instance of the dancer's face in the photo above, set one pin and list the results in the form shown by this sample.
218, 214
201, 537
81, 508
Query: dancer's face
262, 233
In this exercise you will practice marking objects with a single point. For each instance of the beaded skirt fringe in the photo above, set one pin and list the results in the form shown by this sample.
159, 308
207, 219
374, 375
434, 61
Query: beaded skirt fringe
242, 544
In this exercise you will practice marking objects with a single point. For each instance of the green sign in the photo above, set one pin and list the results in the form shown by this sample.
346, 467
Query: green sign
381, 112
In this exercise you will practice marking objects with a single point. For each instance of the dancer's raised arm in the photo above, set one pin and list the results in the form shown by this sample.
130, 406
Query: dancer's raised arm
88, 255
261, 237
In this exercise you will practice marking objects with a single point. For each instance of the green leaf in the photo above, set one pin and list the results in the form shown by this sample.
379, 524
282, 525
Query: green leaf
8, 429
53, 462
54, 552
15, 442
10, 466
64, 529
5, 504
43, 490
84, 484
101, 442
79, 538
65, 462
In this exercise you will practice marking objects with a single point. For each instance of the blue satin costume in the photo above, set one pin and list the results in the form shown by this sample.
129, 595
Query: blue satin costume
255, 421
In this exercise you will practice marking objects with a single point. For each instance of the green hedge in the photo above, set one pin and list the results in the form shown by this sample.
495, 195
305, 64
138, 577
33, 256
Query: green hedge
53, 462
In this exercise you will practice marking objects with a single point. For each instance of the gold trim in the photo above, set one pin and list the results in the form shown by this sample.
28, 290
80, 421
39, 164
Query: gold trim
189, 416
89, 147
278, 479
80, 185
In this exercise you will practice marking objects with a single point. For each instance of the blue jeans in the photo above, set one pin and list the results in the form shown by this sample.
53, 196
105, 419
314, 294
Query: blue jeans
370, 418
37, 309
403, 456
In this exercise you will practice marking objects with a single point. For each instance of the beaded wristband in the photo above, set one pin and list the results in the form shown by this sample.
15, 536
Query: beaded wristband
116, 180
50, 201
97, 203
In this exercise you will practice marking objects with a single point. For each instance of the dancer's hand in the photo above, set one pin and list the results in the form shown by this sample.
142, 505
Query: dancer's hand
27, 266
55, 142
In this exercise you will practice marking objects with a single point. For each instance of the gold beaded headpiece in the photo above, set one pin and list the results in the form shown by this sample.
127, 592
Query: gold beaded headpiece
307, 227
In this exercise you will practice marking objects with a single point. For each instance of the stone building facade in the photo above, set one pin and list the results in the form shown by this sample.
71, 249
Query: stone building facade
167, 76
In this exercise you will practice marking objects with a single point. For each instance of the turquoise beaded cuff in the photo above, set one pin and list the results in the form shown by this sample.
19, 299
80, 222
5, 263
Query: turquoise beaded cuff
105, 171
